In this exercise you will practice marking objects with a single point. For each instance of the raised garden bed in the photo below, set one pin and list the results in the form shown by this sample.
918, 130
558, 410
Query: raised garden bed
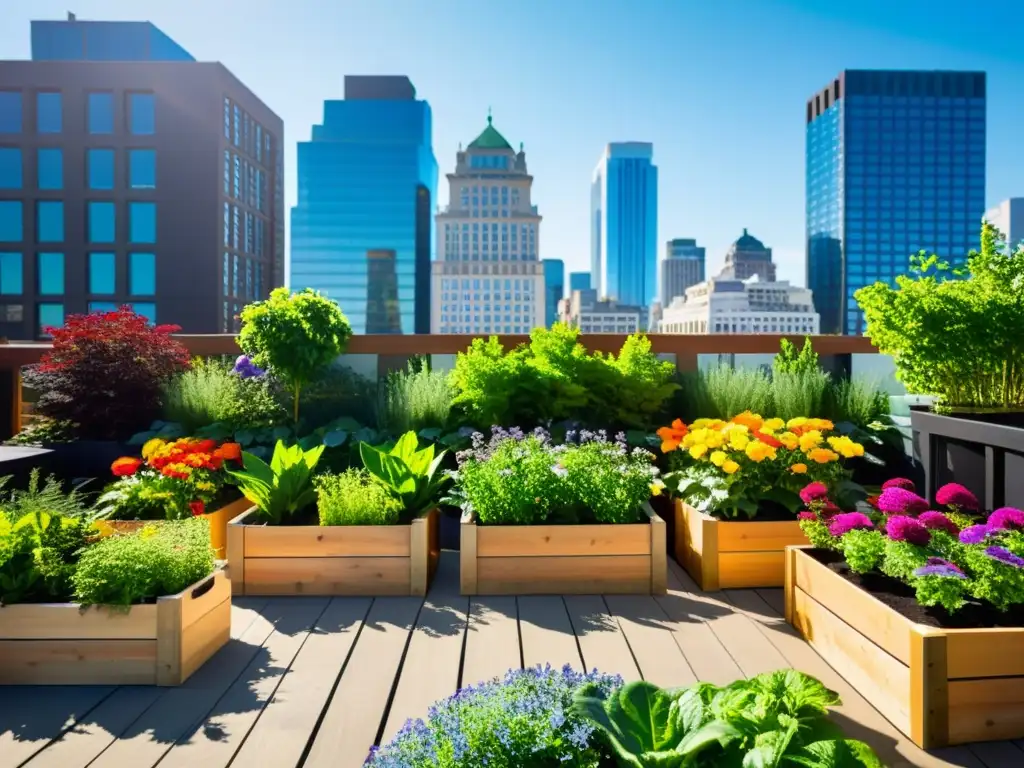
366, 560
722, 554
161, 643
939, 686
624, 558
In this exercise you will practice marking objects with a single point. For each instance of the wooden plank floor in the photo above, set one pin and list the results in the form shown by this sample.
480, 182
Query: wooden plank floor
317, 681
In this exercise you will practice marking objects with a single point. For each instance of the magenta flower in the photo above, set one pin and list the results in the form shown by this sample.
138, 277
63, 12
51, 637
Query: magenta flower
974, 534
1006, 517
899, 482
936, 566
828, 511
955, 495
936, 521
814, 492
849, 521
900, 501
1003, 555
904, 528
805, 515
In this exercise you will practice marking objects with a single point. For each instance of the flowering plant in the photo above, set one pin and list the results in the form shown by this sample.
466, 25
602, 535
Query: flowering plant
732, 467
949, 556
173, 479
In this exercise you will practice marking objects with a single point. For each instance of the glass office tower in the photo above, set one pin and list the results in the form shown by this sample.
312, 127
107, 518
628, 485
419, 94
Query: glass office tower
367, 182
554, 289
74, 40
579, 281
895, 165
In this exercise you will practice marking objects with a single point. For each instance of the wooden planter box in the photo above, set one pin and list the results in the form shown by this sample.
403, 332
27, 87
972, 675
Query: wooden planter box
366, 560
733, 555
563, 559
938, 686
156, 644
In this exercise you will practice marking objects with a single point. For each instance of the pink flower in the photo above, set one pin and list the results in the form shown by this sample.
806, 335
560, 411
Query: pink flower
900, 501
936, 521
805, 515
904, 528
814, 492
849, 521
955, 495
899, 482
1006, 517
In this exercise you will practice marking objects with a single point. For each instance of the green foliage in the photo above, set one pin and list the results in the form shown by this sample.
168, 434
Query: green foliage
863, 550
409, 473
294, 335
355, 498
817, 534
722, 392
200, 395
37, 556
282, 488
901, 559
44, 431
49, 498
801, 392
958, 339
157, 560
415, 399
788, 360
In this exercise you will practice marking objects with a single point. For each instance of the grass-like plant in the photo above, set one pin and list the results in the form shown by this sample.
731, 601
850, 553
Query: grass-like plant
799, 393
415, 399
353, 497
199, 396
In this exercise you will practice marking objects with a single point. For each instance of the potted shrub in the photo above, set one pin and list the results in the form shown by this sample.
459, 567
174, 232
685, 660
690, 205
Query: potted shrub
956, 334
370, 531
738, 489
919, 606
558, 519
140, 608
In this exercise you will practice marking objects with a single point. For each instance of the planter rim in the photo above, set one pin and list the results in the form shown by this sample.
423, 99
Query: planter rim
968, 430
754, 520
469, 518
240, 520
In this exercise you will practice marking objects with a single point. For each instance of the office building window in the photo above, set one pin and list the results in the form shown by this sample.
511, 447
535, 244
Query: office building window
10, 273
102, 306
142, 168
234, 277
50, 270
49, 316
238, 119
49, 221
142, 274
227, 224
142, 222
50, 168
227, 272
102, 222
227, 172
237, 177
10, 111
10, 168
146, 309
11, 228
49, 118
234, 226
101, 112
141, 114
101, 168
102, 274
259, 142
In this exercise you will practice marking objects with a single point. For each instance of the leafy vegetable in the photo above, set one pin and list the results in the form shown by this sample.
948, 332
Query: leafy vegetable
283, 487
410, 474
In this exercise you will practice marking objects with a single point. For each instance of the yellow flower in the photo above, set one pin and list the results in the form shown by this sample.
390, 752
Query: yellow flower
823, 425
738, 440
810, 440
707, 424
797, 422
771, 426
823, 455
698, 451
718, 458
750, 420
798, 469
845, 447
789, 440
758, 451
151, 447
695, 437
656, 489
714, 440
730, 466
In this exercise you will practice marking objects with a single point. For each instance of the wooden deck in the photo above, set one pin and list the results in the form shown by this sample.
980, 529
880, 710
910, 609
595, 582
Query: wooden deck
316, 681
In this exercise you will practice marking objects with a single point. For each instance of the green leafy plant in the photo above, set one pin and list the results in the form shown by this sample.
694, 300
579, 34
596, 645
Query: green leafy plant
282, 488
37, 556
48, 497
415, 399
354, 497
789, 360
295, 336
407, 471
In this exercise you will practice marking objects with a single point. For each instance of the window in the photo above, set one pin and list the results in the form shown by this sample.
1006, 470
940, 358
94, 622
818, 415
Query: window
10, 273
50, 270
142, 222
10, 112
227, 118
101, 113
50, 168
146, 309
102, 222
238, 119
11, 225
10, 168
48, 113
49, 316
227, 172
102, 277
141, 274
141, 114
101, 168
142, 168
102, 306
234, 277
227, 272
49, 221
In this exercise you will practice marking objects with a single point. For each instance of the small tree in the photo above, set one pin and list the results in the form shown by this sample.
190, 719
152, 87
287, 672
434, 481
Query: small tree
106, 372
294, 335
788, 360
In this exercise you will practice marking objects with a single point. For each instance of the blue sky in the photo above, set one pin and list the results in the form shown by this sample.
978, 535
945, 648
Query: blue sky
719, 87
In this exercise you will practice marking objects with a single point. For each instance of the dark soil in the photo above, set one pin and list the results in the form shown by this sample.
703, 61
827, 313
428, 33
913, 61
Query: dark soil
900, 598
767, 512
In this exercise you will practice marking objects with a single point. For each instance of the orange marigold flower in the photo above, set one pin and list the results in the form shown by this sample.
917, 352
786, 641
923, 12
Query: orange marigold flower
233, 451
823, 455
126, 465
671, 436
767, 439
751, 421
798, 469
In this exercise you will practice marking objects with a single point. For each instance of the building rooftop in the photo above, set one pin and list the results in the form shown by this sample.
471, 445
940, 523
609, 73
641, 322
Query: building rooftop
74, 40
490, 138
747, 242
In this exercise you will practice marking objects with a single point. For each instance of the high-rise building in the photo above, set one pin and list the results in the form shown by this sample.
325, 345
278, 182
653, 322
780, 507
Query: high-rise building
579, 281
488, 278
624, 224
747, 257
1008, 218
382, 309
554, 289
728, 305
142, 178
367, 183
682, 267
895, 165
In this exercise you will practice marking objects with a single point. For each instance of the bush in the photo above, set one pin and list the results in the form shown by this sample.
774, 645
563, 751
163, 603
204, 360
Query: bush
212, 393
106, 372
355, 498
157, 560
336, 392
37, 556
415, 399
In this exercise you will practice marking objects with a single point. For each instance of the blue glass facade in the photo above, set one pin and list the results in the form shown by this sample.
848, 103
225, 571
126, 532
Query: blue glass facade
367, 183
579, 281
74, 40
624, 222
895, 165
554, 289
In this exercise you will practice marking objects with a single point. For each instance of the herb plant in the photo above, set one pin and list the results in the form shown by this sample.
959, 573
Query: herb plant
415, 399
354, 497
37, 556
48, 496
282, 488
214, 392
789, 360
409, 473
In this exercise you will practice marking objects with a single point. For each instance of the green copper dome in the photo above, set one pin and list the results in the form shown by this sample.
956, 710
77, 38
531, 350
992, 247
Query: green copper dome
748, 242
490, 139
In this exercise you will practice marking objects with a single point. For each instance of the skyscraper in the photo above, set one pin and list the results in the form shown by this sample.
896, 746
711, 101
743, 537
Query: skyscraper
488, 278
367, 183
156, 184
382, 312
747, 257
683, 266
554, 289
579, 281
624, 224
895, 165
1008, 218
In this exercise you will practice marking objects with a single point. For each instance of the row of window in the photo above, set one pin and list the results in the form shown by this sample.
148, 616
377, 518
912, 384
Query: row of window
243, 230
486, 329
101, 221
242, 277
509, 284
245, 181
102, 274
140, 112
246, 133
139, 168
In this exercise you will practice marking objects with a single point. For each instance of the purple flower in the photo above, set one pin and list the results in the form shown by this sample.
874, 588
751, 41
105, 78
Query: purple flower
246, 368
849, 521
904, 528
899, 482
1003, 555
937, 521
814, 492
936, 566
900, 501
1006, 517
974, 534
955, 495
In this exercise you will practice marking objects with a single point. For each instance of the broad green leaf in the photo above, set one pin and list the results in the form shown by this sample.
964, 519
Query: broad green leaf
715, 732
406, 447
281, 433
837, 753
637, 719
244, 437
141, 438
335, 437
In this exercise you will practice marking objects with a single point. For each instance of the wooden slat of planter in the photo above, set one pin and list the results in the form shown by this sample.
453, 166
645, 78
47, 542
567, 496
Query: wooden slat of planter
659, 555
326, 541
759, 536
564, 540
743, 570
201, 639
983, 710
327, 575
82, 662
467, 555
51, 621
195, 608
599, 574
985, 652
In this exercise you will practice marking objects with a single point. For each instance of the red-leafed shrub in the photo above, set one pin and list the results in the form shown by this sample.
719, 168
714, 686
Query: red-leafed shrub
105, 373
